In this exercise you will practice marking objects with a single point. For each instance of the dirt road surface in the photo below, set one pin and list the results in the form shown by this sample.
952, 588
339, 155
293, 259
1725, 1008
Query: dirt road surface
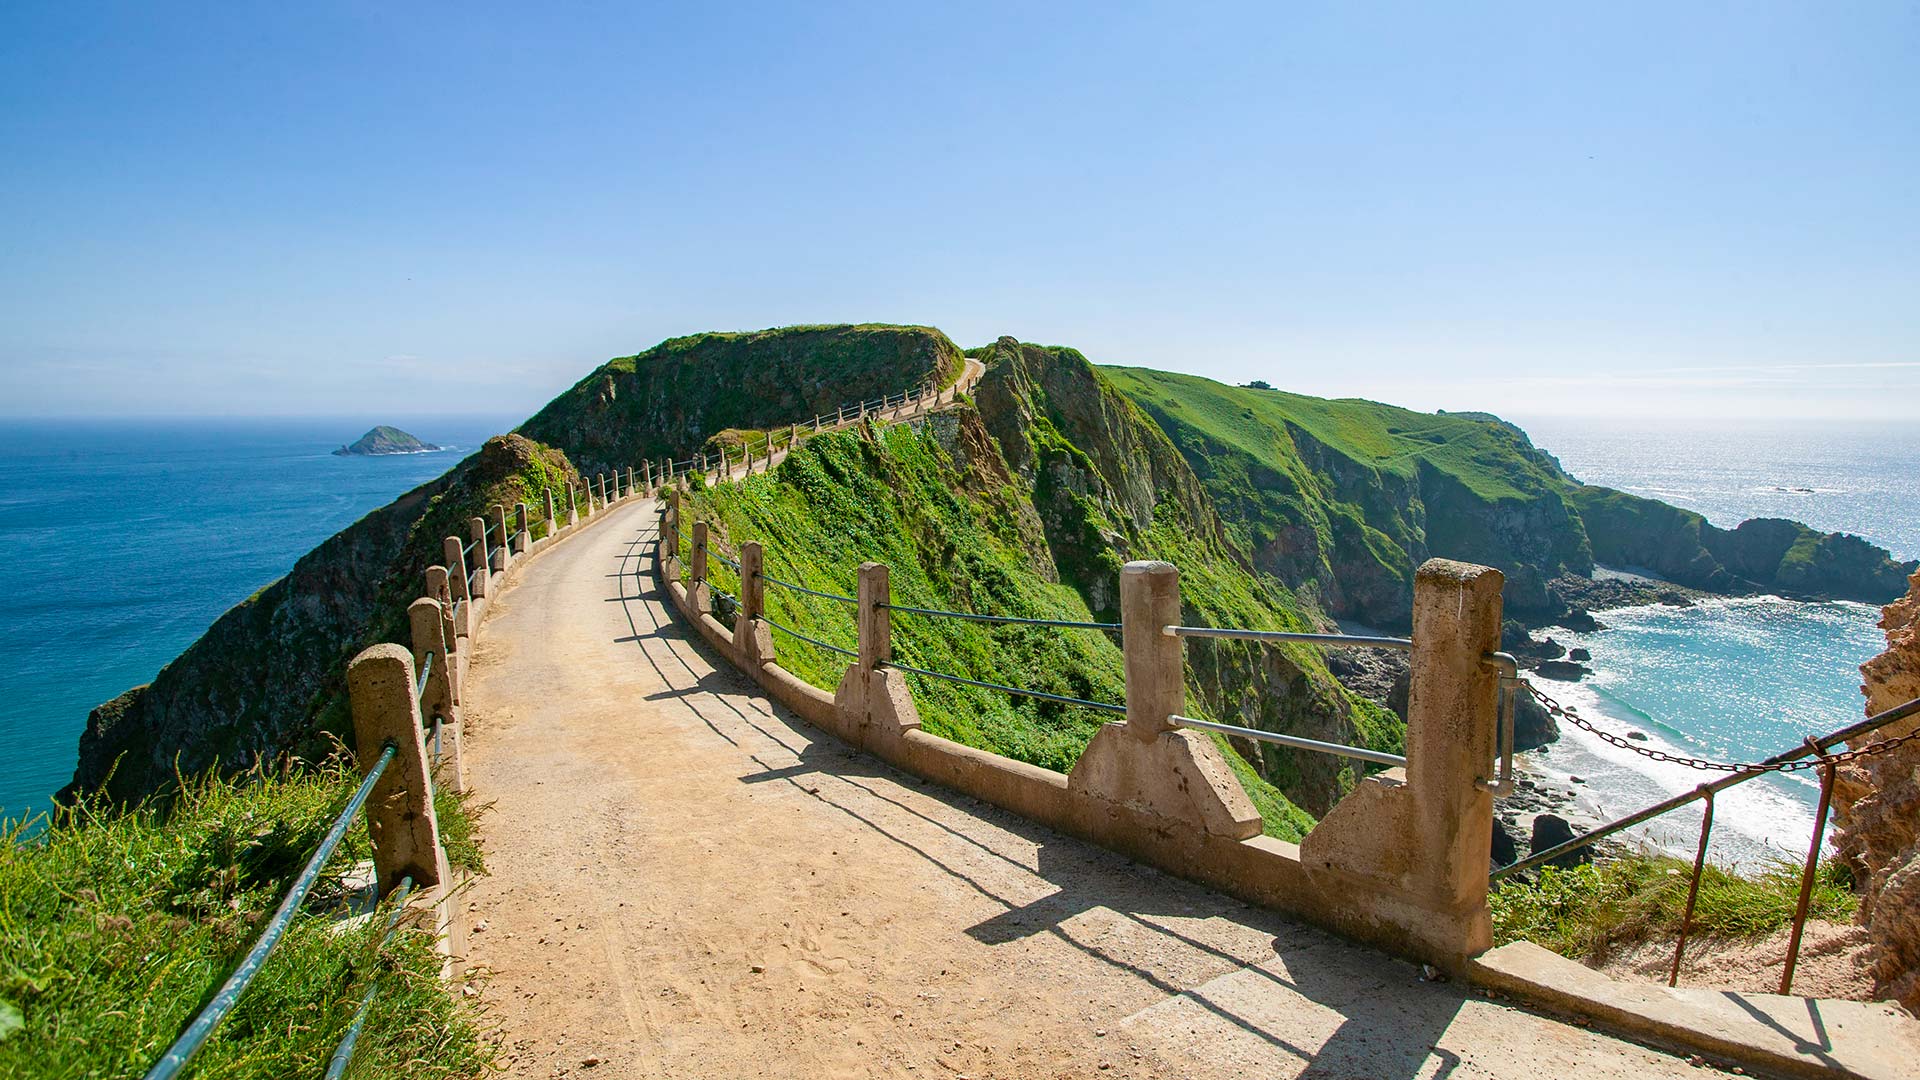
687, 881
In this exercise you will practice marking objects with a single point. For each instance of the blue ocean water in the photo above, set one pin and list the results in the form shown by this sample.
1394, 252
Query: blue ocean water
120, 542
1738, 679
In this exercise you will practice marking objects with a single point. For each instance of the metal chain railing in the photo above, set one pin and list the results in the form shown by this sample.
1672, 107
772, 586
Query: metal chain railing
1572, 716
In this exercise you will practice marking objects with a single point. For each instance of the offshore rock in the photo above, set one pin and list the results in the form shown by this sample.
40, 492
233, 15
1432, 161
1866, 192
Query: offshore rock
1877, 811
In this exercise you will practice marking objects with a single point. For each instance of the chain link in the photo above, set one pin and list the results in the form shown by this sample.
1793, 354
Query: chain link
1817, 760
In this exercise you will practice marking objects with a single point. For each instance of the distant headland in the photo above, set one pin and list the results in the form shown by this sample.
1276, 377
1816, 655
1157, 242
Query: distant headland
385, 440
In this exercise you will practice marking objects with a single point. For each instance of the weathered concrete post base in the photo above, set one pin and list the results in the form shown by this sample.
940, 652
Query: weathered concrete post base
1179, 778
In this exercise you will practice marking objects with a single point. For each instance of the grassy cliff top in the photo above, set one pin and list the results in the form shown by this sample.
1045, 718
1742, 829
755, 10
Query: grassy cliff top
1492, 459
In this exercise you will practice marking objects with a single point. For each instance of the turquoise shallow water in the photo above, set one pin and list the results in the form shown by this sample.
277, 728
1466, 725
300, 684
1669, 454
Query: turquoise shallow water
1734, 679
123, 541
1729, 680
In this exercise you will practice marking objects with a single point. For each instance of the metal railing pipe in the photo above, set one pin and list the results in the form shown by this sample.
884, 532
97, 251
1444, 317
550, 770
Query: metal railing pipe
1378, 757
1348, 641
203, 1025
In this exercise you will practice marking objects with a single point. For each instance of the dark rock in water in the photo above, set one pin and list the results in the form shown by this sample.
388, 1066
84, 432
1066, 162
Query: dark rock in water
1563, 670
1533, 726
1515, 639
1637, 735
1580, 621
1506, 846
384, 440
1581, 655
1576, 779
1552, 830
1674, 598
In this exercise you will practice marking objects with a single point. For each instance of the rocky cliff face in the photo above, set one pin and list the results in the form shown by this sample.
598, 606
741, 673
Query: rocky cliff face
669, 399
1877, 810
268, 677
1761, 555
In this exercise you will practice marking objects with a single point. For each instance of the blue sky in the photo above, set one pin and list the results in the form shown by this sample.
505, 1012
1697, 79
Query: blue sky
304, 208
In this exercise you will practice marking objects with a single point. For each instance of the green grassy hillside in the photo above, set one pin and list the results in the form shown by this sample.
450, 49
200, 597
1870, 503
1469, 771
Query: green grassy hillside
1029, 506
1342, 499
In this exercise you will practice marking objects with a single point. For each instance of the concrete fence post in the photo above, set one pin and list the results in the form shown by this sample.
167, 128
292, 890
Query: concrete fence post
753, 589
503, 554
1452, 719
553, 519
875, 621
646, 473
573, 507
1156, 683
400, 817
456, 557
439, 587
630, 488
522, 535
482, 560
438, 696
700, 592
751, 633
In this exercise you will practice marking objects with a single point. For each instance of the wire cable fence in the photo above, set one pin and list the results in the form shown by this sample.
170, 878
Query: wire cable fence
814, 641
809, 592
1009, 620
1043, 695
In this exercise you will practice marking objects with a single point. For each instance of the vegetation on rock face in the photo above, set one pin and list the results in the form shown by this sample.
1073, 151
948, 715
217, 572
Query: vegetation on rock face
668, 400
1029, 506
269, 676
115, 928
936, 503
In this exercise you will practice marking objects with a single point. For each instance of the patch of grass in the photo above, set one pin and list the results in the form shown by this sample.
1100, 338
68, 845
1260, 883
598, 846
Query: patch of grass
1586, 911
115, 928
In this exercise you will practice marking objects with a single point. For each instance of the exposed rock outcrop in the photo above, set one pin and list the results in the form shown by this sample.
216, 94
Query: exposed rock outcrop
1877, 811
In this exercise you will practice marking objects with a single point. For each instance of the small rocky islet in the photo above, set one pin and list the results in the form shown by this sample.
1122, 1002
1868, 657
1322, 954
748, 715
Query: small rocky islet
382, 440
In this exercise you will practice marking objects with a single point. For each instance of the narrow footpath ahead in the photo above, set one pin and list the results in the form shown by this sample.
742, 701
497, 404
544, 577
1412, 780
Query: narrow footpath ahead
687, 881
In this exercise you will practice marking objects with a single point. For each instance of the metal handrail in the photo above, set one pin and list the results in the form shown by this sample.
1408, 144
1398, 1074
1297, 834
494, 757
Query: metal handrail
1378, 757
1337, 641
971, 617
1041, 694
1811, 746
343, 1053
209, 1018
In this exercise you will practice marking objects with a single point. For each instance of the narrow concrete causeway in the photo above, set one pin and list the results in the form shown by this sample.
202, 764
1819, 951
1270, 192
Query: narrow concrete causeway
688, 881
